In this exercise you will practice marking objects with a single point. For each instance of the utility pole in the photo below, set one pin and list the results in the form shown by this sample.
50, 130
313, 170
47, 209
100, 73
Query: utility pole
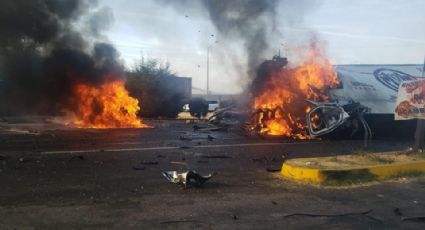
419, 133
208, 67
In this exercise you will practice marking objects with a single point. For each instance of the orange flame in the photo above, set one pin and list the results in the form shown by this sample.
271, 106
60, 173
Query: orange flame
281, 107
106, 106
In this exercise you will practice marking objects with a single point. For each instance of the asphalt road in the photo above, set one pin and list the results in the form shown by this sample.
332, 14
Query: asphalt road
60, 178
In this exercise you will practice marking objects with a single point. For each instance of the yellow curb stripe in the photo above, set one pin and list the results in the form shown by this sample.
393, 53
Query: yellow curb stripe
302, 173
385, 171
321, 176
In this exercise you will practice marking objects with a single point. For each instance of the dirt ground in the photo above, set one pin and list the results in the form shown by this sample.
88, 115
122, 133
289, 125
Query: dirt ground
60, 178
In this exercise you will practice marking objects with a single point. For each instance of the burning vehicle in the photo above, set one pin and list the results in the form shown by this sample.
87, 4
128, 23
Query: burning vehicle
317, 99
366, 94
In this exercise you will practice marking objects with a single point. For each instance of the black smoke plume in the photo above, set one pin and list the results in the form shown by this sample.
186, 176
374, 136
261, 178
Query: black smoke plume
42, 53
250, 21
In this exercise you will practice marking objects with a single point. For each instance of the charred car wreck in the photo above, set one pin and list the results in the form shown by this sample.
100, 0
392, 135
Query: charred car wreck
363, 104
317, 99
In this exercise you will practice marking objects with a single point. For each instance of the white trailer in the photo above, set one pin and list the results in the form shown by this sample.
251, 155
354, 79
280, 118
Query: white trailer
365, 91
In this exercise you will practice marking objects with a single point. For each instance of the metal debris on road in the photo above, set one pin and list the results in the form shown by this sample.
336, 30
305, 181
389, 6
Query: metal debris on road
206, 128
273, 169
186, 145
187, 178
179, 221
179, 163
413, 218
271, 164
24, 160
226, 117
399, 213
190, 137
216, 156
363, 213
137, 167
80, 157
140, 167
262, 159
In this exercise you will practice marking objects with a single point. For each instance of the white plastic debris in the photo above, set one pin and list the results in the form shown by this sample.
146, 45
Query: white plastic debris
188, 178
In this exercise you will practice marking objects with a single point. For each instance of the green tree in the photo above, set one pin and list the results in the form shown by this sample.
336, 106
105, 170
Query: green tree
153, 84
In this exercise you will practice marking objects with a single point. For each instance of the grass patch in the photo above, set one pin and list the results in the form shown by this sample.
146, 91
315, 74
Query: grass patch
421, 154
338, 178
334, 159
359, 152
379, 159
413, 173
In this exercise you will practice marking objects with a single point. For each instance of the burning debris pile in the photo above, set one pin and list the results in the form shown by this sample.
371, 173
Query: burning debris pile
104, 106
281, 93
53, 62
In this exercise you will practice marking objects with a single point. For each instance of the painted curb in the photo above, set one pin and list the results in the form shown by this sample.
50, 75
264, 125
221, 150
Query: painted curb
341, 176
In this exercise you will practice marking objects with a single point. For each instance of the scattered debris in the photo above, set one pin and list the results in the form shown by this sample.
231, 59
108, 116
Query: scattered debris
262, 159
186, 146
398, 212
140, 167
273, 169
216, 156
188, 178
24, 160
190, 137
225, 117
206, 128
210, 138
137, 167
364, 213
414, 218
99, 163
179, 221
80, 157
311, 163
271, 165
179, 163
24, 131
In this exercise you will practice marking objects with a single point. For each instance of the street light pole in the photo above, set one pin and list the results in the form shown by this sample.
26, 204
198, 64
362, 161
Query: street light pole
208, 67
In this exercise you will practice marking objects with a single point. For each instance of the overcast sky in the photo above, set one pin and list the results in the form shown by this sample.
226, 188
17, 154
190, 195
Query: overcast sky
355, 32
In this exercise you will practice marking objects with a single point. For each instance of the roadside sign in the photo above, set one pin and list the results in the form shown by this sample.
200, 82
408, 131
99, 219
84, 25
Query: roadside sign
410, 100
